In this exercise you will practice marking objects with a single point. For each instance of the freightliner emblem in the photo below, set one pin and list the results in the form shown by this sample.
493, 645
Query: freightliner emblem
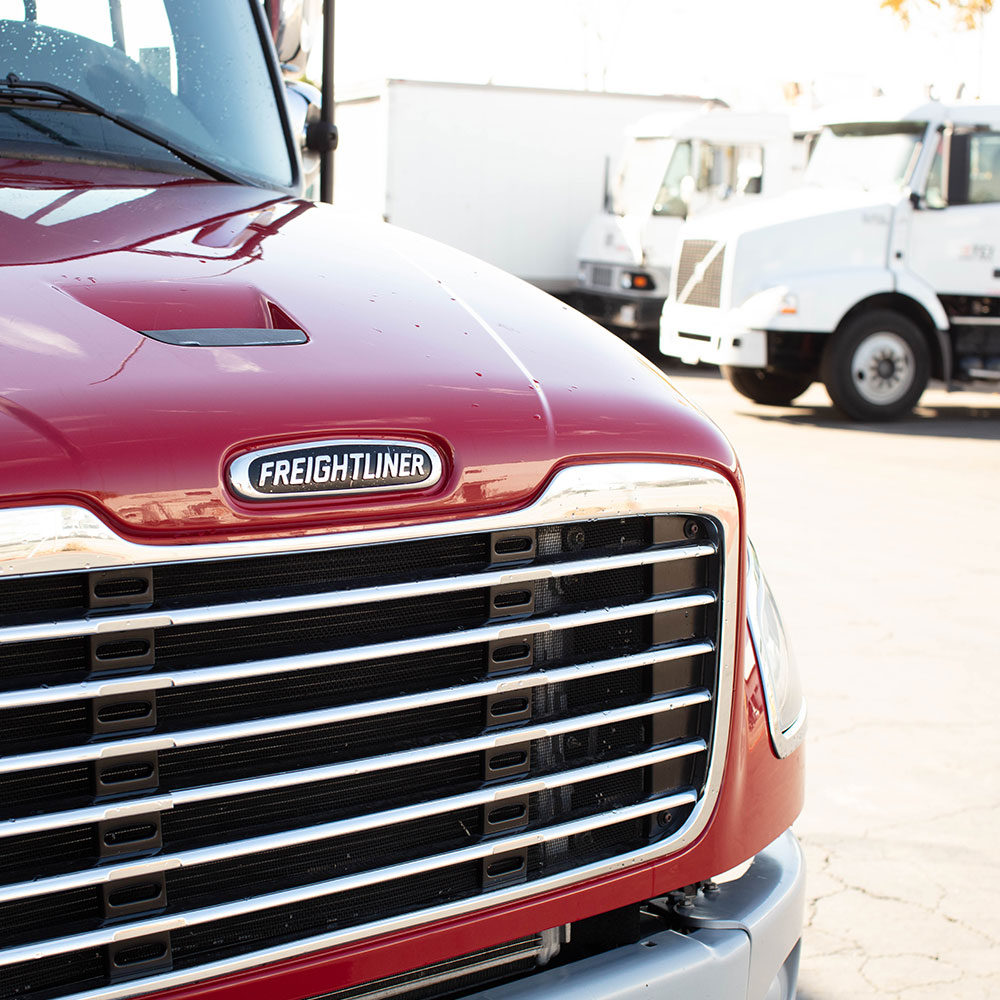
330, 468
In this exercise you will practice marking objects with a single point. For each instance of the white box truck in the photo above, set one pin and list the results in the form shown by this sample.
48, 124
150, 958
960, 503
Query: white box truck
881, 272
675, 166
508, 174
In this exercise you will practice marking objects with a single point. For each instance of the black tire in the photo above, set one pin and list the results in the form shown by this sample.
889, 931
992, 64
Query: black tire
876, 366
769, 388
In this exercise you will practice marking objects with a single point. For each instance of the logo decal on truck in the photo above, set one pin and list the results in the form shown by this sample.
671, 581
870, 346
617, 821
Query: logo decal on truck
330, 468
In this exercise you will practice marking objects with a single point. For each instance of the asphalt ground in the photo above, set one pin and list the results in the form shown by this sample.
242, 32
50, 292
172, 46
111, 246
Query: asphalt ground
882, 542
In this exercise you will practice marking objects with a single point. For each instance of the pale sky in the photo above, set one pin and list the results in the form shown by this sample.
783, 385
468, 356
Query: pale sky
736, 49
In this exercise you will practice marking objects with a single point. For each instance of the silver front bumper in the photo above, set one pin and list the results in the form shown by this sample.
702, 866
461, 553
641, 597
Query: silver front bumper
743, 941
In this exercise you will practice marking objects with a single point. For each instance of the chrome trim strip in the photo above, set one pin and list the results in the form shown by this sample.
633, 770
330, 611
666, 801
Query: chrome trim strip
64, 538
344, 598
397, 986
337, 828
287, 779
289, 723
88, 814
57, 539
345, 883
349, 654
789, 740
974, 320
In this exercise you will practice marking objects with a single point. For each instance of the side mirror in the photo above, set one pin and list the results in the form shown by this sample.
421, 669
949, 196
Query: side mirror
315, 137
916, 201
299, 26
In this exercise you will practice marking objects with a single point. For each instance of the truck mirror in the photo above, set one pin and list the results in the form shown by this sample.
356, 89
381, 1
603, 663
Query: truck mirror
299, 26
321, 137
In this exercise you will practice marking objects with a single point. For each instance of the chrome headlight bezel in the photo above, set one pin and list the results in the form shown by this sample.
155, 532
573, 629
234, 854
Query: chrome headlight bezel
779, 673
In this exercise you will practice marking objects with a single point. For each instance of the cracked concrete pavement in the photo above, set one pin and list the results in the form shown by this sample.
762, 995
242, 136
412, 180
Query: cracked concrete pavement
883, 545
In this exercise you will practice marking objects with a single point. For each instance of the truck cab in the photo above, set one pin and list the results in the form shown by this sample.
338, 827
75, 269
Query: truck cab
879, 274
675, 166
371, 624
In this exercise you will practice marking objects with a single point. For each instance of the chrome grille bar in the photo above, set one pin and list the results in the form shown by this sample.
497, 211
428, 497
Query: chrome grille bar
194, 737
94, 814
354, 824
58, 946
344, 598
334, 657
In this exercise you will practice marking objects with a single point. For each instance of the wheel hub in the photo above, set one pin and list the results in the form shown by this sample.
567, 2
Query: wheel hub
883, 368
886, 368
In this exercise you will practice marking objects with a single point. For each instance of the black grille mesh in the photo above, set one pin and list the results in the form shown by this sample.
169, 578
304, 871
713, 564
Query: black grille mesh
242, 758
212, 583
285, 808
72, 972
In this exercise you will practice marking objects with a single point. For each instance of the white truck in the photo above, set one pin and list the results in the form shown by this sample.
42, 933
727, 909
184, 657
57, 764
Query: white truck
674, 166
508, 174
880, 273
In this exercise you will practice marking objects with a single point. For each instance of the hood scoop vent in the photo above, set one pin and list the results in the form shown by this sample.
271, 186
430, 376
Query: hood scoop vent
226, 337
195, 313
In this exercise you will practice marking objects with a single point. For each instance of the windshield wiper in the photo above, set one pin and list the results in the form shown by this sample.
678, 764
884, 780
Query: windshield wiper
38, 90
49, 133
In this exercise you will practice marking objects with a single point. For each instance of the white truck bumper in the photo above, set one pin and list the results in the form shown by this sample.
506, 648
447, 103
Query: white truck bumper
715, 336
741, 941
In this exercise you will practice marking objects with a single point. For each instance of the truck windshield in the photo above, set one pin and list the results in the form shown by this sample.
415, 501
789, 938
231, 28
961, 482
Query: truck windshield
191, 72
639, 175
670, 200
866, 156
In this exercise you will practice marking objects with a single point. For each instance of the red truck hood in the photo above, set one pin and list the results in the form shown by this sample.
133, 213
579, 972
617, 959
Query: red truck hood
406, 339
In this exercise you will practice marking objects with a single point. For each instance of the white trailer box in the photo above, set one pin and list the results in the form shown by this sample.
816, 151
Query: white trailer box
509, 174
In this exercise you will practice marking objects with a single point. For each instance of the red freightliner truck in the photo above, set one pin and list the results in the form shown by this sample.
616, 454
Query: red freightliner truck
371, 624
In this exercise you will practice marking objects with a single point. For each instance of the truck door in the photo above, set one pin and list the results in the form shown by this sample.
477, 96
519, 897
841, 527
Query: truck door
954, 241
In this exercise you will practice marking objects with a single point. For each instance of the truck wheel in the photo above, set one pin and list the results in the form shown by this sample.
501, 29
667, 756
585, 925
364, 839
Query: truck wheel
769, 388
876, 366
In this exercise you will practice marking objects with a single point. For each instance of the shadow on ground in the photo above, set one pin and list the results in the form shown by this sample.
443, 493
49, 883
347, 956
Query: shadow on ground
926, 421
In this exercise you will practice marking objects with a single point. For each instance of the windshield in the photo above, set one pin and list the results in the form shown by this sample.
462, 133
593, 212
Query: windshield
193, 73
639, 175
672, 198
865, 156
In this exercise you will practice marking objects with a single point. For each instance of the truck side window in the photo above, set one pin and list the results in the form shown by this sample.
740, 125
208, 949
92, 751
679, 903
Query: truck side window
714, 167
984, 168
669, 200
934, 194
749, 169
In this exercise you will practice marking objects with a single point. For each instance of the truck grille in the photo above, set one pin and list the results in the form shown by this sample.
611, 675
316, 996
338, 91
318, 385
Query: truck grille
601, 276
706, 289
205, 760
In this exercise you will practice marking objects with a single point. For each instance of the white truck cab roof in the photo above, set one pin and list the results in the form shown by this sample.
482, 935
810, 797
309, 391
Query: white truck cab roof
883, 110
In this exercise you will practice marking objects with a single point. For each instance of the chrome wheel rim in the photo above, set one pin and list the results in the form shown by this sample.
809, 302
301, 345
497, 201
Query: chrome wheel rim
882, 368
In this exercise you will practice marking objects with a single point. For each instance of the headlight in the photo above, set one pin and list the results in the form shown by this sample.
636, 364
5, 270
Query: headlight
786, 708
639, 280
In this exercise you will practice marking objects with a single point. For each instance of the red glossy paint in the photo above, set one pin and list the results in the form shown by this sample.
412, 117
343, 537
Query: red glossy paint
407, 338
760, 797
